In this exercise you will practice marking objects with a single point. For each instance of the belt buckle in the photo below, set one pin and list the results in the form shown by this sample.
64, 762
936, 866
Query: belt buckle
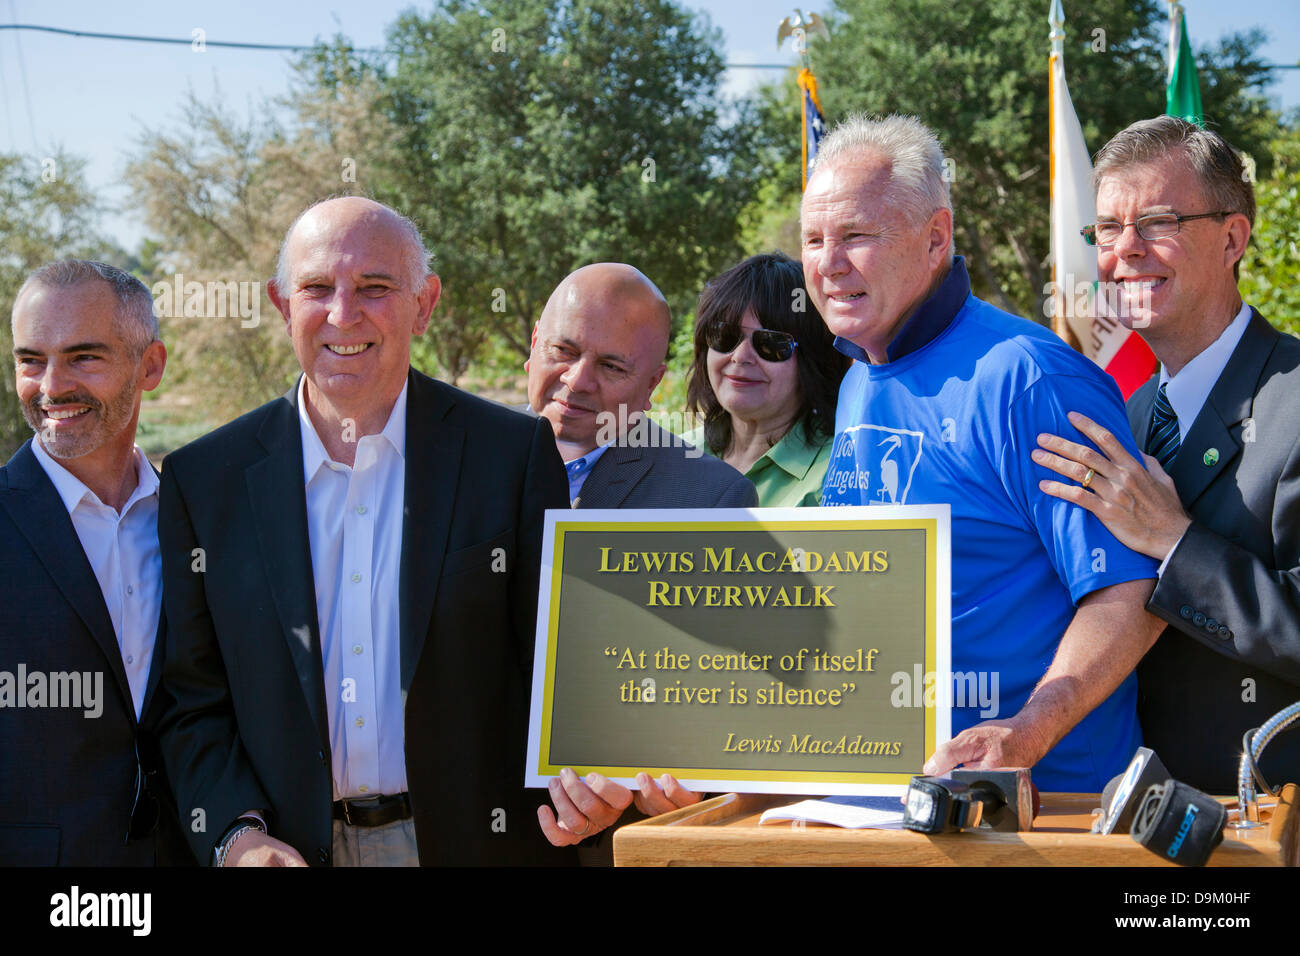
347, 813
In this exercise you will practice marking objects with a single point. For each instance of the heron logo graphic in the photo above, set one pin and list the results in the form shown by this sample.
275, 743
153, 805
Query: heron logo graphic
872, 465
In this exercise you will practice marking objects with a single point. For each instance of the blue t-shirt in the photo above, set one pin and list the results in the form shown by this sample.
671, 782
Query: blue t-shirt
954, 422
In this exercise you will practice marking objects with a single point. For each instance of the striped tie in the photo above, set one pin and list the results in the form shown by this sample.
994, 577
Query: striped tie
1163, 442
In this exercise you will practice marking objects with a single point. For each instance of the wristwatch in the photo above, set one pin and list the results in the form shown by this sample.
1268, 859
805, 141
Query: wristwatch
231, 835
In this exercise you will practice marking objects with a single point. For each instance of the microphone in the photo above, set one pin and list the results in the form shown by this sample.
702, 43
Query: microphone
1179, 823
1003, 799
1123, 795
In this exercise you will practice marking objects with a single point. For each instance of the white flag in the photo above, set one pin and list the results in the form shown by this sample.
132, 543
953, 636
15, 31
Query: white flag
1073, 207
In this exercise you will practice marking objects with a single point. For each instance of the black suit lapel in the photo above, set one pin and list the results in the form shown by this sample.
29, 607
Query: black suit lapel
40, 516
1214, 439
433, 458
1139, 410
279, 505
613, 477
156, 662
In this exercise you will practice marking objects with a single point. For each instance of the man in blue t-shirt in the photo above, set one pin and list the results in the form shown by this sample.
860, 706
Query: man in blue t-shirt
945, 400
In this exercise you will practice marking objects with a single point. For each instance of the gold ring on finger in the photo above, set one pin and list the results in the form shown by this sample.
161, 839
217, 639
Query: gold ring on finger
1087, 479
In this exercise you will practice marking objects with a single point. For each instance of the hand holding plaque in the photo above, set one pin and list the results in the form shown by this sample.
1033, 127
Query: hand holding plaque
586, 806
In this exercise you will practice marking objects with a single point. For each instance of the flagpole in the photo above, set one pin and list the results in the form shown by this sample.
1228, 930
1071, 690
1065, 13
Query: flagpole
800, 26
1056, 19
1182, 85
803, 125
1175, 15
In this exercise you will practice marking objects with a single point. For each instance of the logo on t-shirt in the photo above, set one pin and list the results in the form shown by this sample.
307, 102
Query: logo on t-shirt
872, 465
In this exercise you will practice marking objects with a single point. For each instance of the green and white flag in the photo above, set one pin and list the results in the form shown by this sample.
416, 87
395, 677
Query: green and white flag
1182, 89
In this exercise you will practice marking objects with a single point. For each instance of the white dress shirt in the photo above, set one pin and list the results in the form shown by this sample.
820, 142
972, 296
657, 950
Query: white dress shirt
122, 548
354, 521
1189, 390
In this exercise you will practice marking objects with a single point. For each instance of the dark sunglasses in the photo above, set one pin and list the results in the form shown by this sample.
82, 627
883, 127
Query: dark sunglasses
769, 344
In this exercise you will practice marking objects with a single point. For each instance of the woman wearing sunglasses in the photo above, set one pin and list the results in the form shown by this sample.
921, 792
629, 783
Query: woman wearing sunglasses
765, 379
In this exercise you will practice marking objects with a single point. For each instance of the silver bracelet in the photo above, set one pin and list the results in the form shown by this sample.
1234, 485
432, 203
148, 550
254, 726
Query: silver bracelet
225, 845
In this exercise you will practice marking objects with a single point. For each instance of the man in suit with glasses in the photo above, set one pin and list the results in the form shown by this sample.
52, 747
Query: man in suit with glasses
1218, 501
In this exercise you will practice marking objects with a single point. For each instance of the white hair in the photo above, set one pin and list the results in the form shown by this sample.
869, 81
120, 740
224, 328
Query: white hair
918, 181
414, 253
136, 319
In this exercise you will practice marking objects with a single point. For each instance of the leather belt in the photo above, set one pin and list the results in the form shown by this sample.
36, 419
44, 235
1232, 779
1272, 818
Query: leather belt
373, 811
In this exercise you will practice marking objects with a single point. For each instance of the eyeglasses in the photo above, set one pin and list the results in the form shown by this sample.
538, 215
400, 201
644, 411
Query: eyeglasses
769, 344
1160, 226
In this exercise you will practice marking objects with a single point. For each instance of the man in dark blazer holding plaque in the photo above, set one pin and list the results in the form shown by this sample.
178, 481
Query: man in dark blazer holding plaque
1219, 500
80, 590
597, 355
351, 581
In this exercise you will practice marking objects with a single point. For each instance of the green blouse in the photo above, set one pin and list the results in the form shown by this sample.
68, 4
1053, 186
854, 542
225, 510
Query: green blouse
789, 474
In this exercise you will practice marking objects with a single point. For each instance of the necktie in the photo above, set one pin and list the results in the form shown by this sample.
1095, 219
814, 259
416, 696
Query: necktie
1163, 442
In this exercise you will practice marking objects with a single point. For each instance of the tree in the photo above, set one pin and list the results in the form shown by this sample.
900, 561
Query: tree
1268, 271
977, 74
771, 221
218, 199
541, 135
46, 213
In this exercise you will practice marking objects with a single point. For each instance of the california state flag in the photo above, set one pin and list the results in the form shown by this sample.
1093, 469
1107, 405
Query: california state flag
1102, 338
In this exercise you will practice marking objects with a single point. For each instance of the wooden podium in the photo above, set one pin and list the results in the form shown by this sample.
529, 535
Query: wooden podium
725, 831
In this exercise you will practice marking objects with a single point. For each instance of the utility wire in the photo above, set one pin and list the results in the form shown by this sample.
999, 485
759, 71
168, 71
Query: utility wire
291, 48
4, 93
22, 71
135, 38
284, 47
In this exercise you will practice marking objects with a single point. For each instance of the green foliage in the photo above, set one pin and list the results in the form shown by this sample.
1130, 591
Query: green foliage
670, 397
46, 213
977, 74
539, 136
529, 137
218, 193
1268, 271
771, 221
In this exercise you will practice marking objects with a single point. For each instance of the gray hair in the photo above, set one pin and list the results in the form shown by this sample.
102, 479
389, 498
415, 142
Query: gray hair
414, 252
1217, 166
137, 321
918, 182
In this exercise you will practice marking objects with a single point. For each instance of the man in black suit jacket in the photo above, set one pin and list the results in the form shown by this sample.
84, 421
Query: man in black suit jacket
1219, 501
260, 736
80, 579
660, 470
597, 355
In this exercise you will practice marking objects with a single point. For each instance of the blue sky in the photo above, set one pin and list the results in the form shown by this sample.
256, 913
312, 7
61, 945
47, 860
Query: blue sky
94, 97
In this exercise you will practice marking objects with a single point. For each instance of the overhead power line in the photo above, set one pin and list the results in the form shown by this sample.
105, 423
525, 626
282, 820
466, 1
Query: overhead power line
137, 38
283, 47
22, 72
293, 48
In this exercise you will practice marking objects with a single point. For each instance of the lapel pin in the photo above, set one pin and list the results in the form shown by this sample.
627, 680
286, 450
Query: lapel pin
1211, 456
